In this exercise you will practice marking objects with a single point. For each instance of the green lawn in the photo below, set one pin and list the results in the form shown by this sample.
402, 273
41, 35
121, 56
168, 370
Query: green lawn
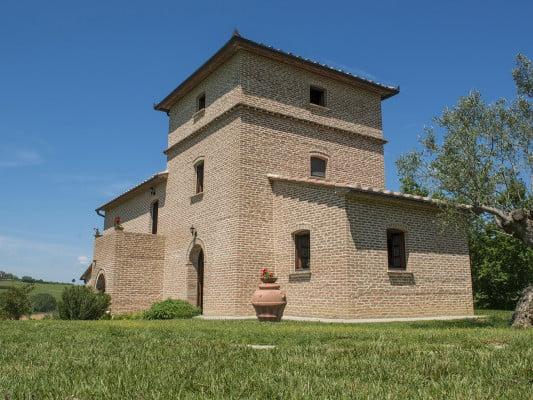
210, 359
55, 289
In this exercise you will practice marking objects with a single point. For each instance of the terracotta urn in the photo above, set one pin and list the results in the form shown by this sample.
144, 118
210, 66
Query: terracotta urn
269, 301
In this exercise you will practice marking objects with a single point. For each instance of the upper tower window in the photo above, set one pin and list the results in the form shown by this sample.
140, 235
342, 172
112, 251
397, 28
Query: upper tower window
201, 102
317, 96
318, 167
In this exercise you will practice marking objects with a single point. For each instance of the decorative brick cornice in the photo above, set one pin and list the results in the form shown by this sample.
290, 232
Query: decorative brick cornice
243, 105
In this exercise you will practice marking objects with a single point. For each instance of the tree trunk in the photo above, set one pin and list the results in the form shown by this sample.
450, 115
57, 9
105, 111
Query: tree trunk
523, 314
518, 223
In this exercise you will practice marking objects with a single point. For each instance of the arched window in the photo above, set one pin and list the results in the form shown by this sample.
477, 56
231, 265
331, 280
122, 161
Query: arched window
318, 167
302, 250
396, 248
100, 283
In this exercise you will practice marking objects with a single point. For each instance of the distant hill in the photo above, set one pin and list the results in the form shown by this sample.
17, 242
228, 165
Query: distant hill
55, 289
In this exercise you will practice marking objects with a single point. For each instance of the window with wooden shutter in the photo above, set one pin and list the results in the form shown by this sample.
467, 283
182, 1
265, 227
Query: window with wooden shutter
396, 248
302, 246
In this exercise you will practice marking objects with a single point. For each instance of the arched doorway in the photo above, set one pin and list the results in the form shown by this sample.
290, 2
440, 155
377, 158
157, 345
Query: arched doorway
100, 283
195, 275
200, 280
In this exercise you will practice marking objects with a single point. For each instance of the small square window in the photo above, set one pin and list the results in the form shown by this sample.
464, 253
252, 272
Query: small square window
318, 167
201, 102
317, 96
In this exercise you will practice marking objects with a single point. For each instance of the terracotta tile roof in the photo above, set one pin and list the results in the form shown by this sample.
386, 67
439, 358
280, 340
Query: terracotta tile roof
356, 189
154, 179
238, 42
86, 275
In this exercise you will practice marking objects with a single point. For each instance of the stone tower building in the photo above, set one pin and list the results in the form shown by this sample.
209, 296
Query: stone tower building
277, 161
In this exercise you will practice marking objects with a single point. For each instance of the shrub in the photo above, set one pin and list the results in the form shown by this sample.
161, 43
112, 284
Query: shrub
43, 302
15, 302
27, 279
129, 316
82, 302
171, 309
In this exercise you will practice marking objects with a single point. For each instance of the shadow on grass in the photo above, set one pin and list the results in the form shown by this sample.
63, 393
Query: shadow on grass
487, 319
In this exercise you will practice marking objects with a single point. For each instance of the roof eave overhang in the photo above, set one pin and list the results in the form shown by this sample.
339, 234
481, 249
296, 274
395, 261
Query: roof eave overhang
155, 180
238, 42
358, 191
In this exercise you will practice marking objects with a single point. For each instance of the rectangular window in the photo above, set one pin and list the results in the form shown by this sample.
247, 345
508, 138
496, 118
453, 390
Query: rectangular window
396, 248
318, 167
317, 96
302, 250
155, 212
199, 177
201, 102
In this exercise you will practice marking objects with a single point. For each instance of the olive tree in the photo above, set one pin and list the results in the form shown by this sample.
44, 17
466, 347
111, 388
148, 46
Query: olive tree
479, 159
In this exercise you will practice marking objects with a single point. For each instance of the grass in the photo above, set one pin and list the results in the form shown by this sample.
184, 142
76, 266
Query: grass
55, 289
211, 359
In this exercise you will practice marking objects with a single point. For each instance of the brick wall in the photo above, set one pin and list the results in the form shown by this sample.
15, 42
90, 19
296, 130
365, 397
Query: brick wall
349, 275
132, 264
258, 121
135, 213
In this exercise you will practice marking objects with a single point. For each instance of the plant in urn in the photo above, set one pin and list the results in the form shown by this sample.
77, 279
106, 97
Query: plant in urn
269, 301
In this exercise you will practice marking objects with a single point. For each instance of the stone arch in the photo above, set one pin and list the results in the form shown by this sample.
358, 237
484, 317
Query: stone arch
100, 283
195, 274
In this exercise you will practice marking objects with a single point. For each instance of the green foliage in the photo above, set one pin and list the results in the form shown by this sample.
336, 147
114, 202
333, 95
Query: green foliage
523, 75
501, 267
15, 302
171, 309
27, 279
82, 303
43, 302
129, 316
7, 275
479, 154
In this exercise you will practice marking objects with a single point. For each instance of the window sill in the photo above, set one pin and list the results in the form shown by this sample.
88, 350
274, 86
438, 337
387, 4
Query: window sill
198, 114
317, 177
317, 108
398, 271
197, 197
300, 274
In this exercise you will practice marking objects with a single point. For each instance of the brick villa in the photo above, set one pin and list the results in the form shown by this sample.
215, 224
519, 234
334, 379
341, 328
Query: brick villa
277, 161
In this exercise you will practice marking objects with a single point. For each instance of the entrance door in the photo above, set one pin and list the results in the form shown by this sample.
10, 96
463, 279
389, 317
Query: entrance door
200, 283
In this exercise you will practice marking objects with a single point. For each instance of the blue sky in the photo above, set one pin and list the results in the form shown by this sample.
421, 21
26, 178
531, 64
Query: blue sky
78, 81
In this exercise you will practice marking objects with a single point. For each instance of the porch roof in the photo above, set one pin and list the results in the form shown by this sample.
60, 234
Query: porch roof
153, 180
